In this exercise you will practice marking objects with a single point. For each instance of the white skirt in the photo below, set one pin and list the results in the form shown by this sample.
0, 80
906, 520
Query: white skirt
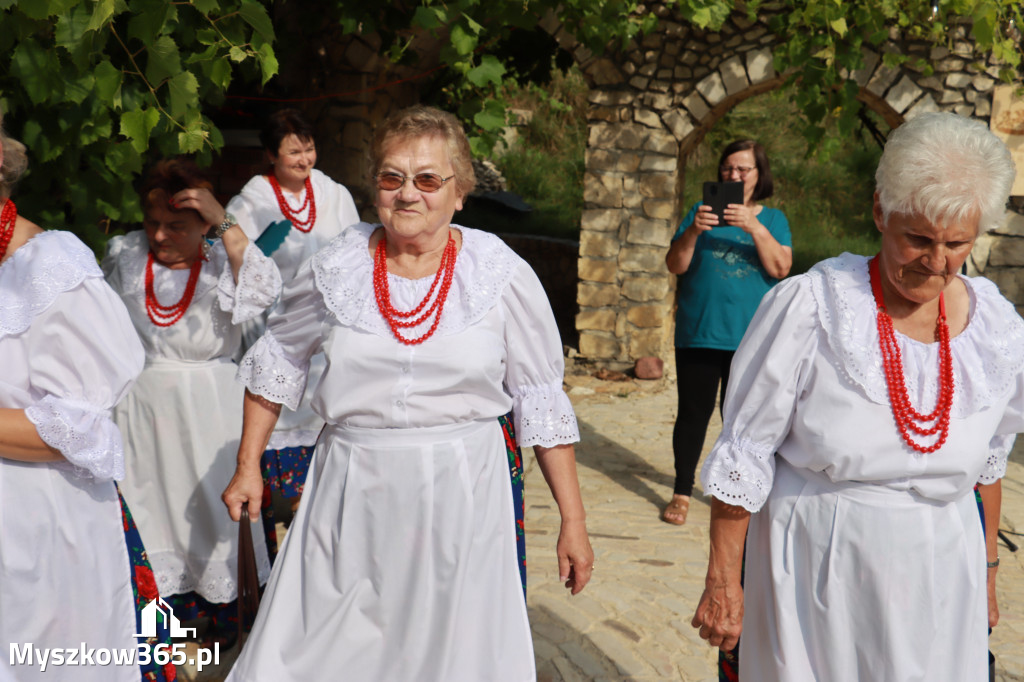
854, 581
181, 424
400, 565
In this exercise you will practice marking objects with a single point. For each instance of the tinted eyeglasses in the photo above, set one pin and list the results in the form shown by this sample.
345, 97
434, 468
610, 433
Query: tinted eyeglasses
424, 182
742, 170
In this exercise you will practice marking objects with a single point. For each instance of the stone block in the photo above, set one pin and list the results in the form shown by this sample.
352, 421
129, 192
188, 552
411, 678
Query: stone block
628, 68
1009, 280
712, 88
951, 97
648, 118
696, 105
964, 110
616, 136
662, 75
734, 76
691, 55
650, 232
755, 33
862, 75
937, 53
603, 114
982, 83
645, 342
602, 220
658, 162
649, 368
660, 85
660, 101
593, 270
631, 197
648, 69
600, 319
957, 81
662, 142
598, 244
608, 160
983, 107
970, 95
760, 66
603, 71
642, 259
597, 345
1005, 251
660, 209
678, 122
611, 97
596, 295
645, 289
639, 82
903, 94
602, 189
658, 185
948, 65
1012, 224
924, 105
930, 83
883, 78
649, 315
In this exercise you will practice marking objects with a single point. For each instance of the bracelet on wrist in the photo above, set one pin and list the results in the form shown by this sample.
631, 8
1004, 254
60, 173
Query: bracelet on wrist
992, 564
227, 224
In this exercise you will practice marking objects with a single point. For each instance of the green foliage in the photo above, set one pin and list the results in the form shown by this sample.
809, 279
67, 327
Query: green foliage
545, 164
95, 87
825, 192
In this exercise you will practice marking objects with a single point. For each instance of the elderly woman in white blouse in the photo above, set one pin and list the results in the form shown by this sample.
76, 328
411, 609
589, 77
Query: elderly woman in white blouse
182, 420
401, 564
70, 573
869, 396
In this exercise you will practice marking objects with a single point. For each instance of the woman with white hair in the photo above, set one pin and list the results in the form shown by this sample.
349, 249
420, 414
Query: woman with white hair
869, 396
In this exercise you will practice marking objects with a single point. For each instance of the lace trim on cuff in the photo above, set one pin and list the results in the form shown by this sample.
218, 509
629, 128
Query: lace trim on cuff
545, 416
739, 472
266, 370
85, 435
259, 283
998, 455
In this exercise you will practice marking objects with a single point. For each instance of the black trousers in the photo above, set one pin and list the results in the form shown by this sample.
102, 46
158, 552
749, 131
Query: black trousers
701, 375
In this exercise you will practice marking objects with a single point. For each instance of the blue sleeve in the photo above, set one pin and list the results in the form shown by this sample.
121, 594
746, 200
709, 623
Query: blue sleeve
778, 226
688, 220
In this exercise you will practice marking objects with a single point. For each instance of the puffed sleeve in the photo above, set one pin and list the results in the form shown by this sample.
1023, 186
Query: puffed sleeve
277, 365
85, 356
535, 366
241, 208
259, 283
109, 264
768, 373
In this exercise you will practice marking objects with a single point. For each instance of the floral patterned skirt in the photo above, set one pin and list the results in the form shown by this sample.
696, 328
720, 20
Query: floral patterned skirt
144, 590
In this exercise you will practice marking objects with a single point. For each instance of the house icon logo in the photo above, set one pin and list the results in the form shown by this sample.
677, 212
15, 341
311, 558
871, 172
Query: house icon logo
159, 607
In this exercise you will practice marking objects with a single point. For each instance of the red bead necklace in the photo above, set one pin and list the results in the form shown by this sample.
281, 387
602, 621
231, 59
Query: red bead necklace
293, 215
8, 217
166, 315
907, 418
403, 320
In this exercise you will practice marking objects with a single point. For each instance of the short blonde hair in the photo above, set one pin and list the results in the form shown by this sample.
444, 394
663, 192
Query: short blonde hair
947, 168
15, 161
423, 121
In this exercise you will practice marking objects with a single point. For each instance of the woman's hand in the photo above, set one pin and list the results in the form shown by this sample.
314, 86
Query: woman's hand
245, 486
719, 615
201, 200
704, 219
575, 556
743, 217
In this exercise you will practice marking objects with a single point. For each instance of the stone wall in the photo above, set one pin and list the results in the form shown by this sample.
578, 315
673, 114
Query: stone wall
652, 103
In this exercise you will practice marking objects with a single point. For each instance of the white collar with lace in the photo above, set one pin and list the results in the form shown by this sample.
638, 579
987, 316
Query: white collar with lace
37, 273
988, 355
343, 271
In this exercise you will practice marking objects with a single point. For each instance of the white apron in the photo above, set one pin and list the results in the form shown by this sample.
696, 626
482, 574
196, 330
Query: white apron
416, 511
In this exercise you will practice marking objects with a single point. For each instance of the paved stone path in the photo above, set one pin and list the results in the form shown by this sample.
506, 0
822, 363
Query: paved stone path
633, 621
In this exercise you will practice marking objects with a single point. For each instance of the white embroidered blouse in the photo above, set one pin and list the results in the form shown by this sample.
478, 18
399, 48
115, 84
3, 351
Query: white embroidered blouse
496, 347
807, 383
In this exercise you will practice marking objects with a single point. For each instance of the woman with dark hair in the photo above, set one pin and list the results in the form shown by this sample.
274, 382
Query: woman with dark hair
182, 419
73, 572
291, 212
724, 271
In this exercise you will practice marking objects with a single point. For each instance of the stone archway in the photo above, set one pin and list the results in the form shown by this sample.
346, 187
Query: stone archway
652, 103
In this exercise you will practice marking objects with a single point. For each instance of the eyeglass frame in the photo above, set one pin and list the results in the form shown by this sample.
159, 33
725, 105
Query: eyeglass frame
394, 174
744, 171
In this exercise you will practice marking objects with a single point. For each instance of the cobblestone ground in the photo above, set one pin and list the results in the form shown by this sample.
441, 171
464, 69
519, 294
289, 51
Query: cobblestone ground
633, 621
